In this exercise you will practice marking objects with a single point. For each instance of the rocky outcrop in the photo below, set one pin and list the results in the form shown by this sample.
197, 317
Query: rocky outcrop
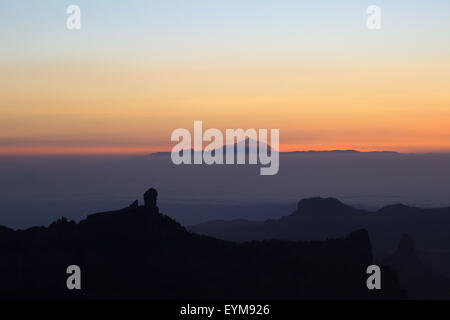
131, 254
150, 197
420, 280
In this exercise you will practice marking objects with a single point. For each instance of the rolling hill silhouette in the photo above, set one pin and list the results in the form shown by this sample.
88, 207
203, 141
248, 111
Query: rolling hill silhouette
137, 252
321, 218
269, 147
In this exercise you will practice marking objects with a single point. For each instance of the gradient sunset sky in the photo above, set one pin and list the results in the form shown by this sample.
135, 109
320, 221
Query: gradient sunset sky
137, 70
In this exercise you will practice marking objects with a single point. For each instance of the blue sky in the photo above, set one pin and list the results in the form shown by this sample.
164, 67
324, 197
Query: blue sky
310, 68
223, 28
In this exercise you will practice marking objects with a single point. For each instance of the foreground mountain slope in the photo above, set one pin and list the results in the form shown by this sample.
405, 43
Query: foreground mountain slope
137, 252
321, 218
421, 281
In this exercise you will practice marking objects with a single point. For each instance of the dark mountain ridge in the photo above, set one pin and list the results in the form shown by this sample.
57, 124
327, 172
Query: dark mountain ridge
137, 252
321, 218
423, 272
421, 281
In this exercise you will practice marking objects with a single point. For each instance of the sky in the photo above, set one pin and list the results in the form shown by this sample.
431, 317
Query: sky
137, 70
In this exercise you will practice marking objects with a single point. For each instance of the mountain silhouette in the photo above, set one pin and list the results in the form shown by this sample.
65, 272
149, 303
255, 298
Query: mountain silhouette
314, 218
139, 253
246, 143
318, 152
321, 218
421, 281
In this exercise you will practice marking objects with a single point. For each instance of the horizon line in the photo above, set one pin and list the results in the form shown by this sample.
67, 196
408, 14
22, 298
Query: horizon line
132, 151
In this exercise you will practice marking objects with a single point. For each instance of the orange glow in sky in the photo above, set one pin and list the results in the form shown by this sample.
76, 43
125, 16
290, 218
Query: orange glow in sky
334, 86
